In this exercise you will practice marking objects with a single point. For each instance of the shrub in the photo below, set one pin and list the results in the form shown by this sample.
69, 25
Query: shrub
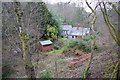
83, 45
86, 38
56, 47
80, 44
87, 49
46, 74
67, 52
72, 43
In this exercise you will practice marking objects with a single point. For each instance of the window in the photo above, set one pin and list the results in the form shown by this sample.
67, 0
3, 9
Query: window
72, 36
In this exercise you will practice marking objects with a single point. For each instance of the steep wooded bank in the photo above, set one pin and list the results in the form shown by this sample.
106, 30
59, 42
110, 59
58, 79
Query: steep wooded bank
29, 18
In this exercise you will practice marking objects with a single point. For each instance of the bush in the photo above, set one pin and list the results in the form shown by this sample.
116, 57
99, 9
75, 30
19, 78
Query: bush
67, 52
56, 47
46, 74
83, 45
80, 44
87, 49
87, 38
72, 43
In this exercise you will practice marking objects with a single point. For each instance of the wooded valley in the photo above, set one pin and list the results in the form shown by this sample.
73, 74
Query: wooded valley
66, 39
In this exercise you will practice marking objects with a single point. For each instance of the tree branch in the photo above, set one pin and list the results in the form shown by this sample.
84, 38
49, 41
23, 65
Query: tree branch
93, 41
93, 11
116, 36
107, 23
114, 7
94, 8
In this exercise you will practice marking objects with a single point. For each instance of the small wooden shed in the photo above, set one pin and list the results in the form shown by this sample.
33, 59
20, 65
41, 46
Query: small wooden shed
46, 45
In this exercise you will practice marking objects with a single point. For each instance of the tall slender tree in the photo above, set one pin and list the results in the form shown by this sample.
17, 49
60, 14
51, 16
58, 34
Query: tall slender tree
114, 33
23, 36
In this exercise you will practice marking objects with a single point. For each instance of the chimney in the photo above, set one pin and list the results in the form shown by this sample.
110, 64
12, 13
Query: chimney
77, 28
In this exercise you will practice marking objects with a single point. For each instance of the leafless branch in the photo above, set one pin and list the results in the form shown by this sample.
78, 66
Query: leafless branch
114, 7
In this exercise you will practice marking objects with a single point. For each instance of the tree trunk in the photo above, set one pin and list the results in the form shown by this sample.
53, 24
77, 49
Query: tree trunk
118, 72
26, 57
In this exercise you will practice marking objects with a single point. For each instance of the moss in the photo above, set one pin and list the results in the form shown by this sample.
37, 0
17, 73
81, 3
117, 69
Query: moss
96, 57
107, 71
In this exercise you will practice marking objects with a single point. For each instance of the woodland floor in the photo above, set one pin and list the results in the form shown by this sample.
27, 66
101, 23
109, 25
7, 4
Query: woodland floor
62, 66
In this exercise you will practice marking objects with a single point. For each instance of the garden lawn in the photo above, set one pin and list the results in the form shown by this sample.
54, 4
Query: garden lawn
57, 51
62, 38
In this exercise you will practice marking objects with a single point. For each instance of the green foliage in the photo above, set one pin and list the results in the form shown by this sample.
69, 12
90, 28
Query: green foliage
72, 43
83, 45
46, 74
54, 19
51, 33
80, 44
56, 47
63, 39
49, 21
87, 49
58, 20
57, 51
87, 75
86, 38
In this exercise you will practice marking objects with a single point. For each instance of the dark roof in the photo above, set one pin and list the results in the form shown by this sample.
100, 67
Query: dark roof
46, 42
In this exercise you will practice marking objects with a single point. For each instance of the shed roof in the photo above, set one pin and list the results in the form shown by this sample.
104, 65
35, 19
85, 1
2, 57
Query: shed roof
46, 42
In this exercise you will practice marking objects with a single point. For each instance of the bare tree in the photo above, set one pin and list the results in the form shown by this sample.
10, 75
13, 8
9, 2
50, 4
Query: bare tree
24, 25
114, 33
112, 29
23, 36
93, 41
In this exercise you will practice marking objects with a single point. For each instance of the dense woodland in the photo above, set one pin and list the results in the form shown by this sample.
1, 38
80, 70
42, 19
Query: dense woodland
96, 55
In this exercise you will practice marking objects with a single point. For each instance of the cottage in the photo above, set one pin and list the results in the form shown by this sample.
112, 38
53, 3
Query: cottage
74, 34
78, 32
46, 45
65, 30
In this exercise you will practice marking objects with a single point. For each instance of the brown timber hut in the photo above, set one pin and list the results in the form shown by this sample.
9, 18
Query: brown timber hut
46, 45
